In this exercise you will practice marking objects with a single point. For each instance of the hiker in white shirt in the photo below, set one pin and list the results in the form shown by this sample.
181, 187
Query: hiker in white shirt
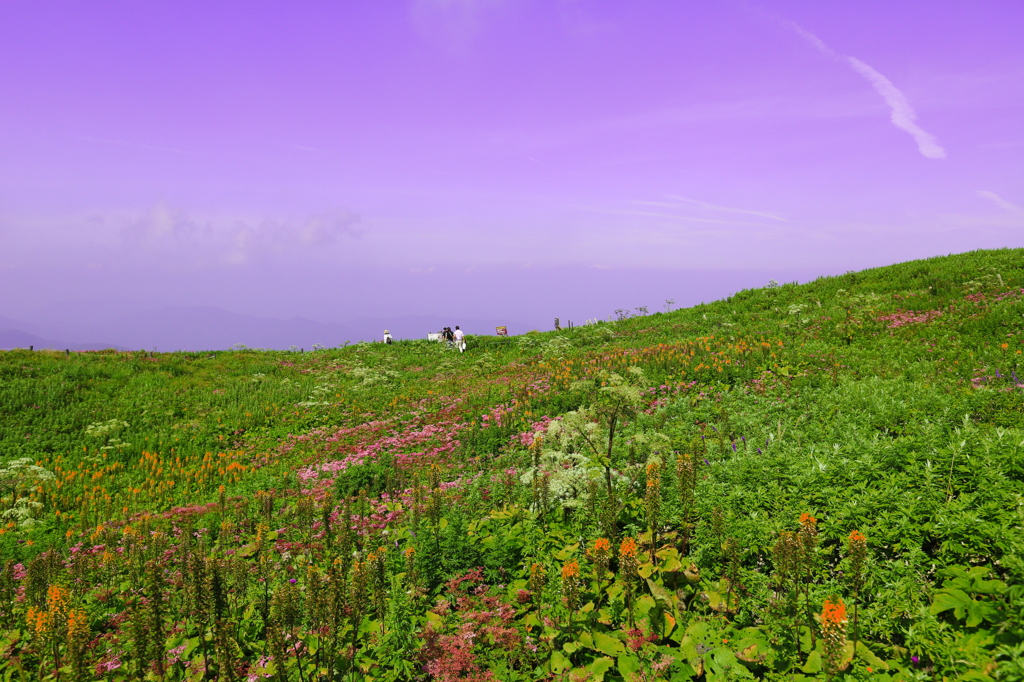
460, 340
387, 336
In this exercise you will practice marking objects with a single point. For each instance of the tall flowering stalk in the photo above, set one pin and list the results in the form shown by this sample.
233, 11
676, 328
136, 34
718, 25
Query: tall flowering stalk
410, 567
286, 617
538, 580
542, 493
337, 598
857, 551
628, 567
50, 625
154, 614
571, 588
600, 554
317, 599
787, 555
8, 588
78, 637
652, 501
435, 510
377, 561
415, 508
686, 485
833, 634
361, 579
808, 540
535, 450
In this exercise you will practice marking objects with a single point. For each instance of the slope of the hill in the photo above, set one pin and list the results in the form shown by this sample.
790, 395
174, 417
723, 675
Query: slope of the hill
798, 481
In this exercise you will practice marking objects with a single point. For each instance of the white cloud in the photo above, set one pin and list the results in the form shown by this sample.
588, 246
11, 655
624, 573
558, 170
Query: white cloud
685, 210
1000, 202
673, 216
453, 23
726, 209
175, 237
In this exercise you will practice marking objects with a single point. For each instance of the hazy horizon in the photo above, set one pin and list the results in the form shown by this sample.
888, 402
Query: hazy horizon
491, 159
172, 324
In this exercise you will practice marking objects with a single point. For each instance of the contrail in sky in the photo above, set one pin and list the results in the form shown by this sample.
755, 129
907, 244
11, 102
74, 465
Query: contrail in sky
903, 116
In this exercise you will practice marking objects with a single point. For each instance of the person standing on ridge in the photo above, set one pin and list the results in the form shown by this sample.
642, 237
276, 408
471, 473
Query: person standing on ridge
387, 336
460, 339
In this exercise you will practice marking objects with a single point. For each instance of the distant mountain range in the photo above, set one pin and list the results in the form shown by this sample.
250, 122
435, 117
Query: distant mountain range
14, 338
208, 328
16, 334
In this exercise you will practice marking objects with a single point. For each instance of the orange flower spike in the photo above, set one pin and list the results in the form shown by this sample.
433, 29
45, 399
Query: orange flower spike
627, 558
833, 632
833, 613
571, 585
78, 624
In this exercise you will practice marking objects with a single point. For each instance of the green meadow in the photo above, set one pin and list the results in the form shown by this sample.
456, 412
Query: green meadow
816, 481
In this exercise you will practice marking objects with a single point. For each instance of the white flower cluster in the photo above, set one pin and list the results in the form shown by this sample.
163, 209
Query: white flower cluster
17, 476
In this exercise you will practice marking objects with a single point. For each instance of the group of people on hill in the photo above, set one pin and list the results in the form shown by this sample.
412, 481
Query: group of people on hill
454, 338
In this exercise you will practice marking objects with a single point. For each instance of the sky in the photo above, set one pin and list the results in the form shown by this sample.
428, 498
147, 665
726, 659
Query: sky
514, 159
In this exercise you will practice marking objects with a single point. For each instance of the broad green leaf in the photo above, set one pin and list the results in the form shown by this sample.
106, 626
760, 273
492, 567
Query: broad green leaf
190, 646
670, 560
955, 599
607, 644
628, 665
667, 599
978, 611
644, 604
666, 552
566, 553
601, 665
813, 664
865, 654
559, 662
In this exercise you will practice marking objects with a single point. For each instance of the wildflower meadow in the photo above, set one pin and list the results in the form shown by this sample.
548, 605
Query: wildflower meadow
817, 481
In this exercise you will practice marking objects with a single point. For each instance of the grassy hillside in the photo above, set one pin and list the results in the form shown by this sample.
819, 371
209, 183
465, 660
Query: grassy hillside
822, 480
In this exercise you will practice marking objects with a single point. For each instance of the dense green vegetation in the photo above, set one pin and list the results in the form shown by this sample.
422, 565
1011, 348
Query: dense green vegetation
822, 480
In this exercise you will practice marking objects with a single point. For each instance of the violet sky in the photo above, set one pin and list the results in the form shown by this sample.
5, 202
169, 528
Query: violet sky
490, 157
